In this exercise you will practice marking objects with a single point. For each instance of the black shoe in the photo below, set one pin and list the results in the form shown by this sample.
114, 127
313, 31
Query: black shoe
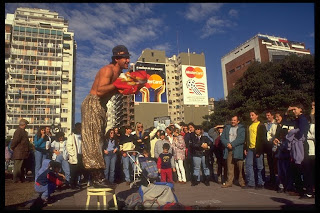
247, 187
103, 184
206, 181
258, 187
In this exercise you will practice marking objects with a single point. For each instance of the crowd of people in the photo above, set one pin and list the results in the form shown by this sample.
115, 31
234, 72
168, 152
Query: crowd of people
183, 153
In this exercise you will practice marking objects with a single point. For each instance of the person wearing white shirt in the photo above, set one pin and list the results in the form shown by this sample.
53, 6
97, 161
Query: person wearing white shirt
74, 144
271, 127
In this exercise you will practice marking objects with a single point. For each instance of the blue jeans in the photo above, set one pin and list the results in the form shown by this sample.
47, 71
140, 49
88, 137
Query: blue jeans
65, 166
46, 190
110, 160
125, 164
38, 159
254, 167
197, 161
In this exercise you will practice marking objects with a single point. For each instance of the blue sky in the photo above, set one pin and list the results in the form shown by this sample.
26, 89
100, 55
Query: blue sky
212, 28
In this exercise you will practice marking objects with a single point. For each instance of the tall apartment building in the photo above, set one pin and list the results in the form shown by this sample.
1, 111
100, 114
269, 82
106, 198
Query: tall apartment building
262, 48
40, 70
177, 87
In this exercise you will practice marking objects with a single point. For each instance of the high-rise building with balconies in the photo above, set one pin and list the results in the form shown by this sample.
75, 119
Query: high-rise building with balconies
40, 70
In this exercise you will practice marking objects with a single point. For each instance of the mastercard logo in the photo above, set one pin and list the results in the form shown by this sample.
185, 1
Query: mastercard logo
154, 81
194, 72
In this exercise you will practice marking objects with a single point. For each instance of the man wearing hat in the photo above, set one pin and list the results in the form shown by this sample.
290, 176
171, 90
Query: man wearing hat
93, 114
20, 146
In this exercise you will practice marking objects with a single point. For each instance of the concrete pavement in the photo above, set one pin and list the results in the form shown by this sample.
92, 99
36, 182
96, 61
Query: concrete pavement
200, 196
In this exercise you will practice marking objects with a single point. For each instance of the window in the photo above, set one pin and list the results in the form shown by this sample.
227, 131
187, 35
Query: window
152, 54
231, 71
64, 119
248, 62
238, 67
64, 110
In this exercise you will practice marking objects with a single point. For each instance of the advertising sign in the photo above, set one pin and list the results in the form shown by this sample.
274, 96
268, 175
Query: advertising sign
195, 91
155, 89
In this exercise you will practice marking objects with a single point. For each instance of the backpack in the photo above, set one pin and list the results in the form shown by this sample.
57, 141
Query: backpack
157, 195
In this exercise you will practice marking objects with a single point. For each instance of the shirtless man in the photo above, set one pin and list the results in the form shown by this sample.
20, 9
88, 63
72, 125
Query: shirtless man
93, 114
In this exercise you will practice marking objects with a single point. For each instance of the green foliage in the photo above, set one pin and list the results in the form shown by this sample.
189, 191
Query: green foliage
268, 86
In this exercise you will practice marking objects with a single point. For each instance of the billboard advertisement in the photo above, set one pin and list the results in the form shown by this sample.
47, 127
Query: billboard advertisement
195, 90
155, 89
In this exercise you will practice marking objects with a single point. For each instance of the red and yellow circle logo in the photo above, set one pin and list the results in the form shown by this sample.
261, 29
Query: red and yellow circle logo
194, 72
154, 81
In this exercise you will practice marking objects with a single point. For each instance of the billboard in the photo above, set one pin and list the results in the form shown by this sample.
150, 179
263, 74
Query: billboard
194, 80
155, 89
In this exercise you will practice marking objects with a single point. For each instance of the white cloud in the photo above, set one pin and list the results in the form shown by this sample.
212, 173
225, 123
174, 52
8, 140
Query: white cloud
215, 25
233, 13
199, 11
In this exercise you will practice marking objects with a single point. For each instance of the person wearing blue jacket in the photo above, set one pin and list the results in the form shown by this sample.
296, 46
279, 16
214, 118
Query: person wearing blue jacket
40, 153
233, 138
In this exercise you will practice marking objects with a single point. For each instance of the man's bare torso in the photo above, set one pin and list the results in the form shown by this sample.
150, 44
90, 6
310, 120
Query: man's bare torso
103, 81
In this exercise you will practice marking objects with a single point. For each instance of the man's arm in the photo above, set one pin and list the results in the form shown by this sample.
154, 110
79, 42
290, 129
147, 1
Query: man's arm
105, 85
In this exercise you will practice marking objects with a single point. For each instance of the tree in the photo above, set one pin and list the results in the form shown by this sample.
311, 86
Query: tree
269, 85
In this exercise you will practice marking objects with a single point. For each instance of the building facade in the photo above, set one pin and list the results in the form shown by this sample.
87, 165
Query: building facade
167, 93
40, 70
261, 48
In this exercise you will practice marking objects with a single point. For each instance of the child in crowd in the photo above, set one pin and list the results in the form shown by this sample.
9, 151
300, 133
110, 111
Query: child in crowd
166, 164
60, 154
48, 178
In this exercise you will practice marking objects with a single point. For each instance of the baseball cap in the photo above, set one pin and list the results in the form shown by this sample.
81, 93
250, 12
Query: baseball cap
120, 51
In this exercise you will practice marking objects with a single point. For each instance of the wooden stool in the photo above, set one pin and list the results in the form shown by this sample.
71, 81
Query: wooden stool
101, 192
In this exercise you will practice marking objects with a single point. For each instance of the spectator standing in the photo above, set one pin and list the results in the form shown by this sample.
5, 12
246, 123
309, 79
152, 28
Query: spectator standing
118, 170
233, 138
200, 148
142, 139
298, 146
7, 156
41, 148
271, 127
158, 148
282, 154
127, 144
188, 138
21, 149
61, 155
154, 138
49, 138
218, 152
74, 149
165, 164
257, 136
309, 163
179, 154
110, 148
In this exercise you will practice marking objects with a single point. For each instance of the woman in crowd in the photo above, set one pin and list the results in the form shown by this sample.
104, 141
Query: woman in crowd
110, 148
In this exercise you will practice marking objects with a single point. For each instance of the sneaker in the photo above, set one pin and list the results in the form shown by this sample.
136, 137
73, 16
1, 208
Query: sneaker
306, 196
